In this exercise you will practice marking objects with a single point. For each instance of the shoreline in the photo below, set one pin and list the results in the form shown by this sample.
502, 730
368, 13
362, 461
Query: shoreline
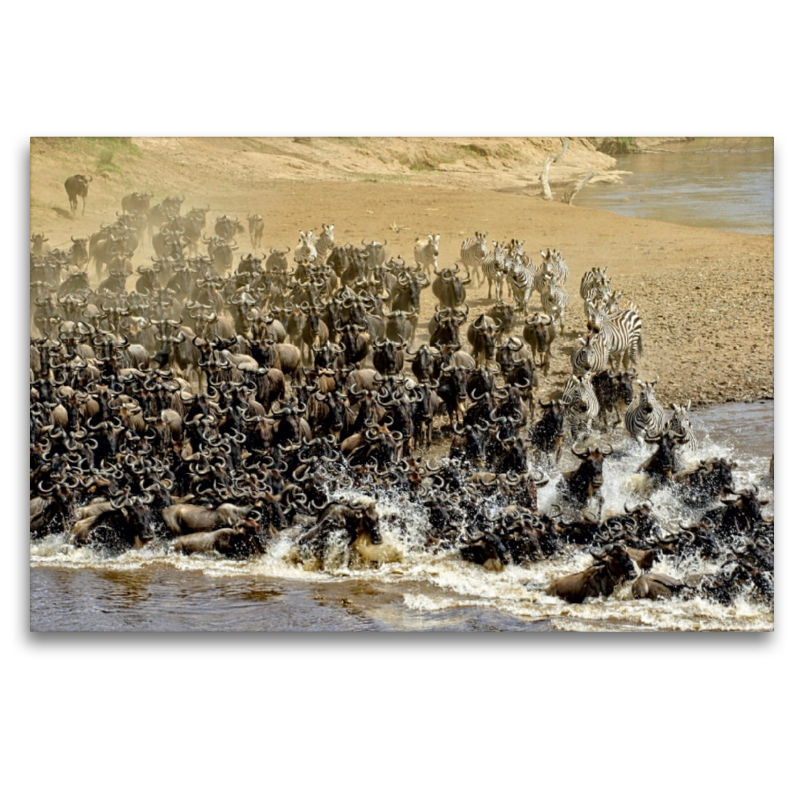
706, 296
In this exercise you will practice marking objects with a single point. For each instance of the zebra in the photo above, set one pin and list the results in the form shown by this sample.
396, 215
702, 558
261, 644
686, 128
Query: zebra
591, 356
554, 300
324, 243
558, 266
474, 252
622, 332
613, 306
520, 281
679, 422
580, 406
646, 417
540, 276
494, 270
427, 253
593, 279
306, 250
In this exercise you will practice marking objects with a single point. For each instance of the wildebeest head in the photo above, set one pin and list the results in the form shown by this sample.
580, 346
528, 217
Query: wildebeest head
591, 470
747, 502
617, 561
364, 519
622, 383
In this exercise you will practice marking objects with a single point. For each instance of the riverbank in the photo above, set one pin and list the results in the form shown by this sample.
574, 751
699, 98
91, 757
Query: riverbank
706, 296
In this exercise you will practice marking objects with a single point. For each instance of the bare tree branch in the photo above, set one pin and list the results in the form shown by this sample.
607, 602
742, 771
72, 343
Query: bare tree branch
549, 161
569, 196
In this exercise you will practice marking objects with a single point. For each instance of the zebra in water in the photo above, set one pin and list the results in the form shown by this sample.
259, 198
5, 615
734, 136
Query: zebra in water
324, 243
580, 406
622, 332
473, 253
554, 300
591, 356
494, 270
646, 417
679, 422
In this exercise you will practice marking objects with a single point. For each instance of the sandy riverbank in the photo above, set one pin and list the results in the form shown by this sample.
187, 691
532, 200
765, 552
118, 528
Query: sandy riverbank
706, 297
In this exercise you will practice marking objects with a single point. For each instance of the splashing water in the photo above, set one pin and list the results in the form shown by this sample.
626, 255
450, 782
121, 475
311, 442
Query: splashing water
402, 584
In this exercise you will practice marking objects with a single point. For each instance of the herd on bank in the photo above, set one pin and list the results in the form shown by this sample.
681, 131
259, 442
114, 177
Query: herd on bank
201, 406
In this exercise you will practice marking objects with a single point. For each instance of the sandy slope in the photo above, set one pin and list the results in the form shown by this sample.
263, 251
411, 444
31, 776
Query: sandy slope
705, 296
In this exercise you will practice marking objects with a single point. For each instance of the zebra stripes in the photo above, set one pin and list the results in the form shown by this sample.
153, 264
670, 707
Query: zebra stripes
555, 261
473, 253
591, 356
494, 270
646, 417
593, 279
679, 422
580, 406
306, 250
520, 281
540, 276
622, 332
324, 243
554, 300
427, 253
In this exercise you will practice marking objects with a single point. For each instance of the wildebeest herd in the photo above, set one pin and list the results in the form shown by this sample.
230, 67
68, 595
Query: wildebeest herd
205, 407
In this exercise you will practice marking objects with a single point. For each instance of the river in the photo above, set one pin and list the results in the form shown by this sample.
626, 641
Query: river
725, 184
76, 590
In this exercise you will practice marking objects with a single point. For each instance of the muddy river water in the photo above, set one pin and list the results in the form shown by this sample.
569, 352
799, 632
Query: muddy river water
77, 590
707, 183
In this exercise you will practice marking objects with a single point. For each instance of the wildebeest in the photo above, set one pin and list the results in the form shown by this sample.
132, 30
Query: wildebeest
183, 518
240, 542
255, 223
357, 517
482, 335
136, 202
709, 480
586, 481
614, 391
547, 434
539, 333
128, 523
227, 227
655, 586
662, 465
741, 513
77, 186
504, 316
449, 287
612, 566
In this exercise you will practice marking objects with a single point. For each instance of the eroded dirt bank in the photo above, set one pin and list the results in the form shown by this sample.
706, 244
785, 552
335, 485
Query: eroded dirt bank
705, 296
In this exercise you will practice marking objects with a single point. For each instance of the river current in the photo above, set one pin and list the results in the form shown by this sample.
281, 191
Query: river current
77, 590
711, 183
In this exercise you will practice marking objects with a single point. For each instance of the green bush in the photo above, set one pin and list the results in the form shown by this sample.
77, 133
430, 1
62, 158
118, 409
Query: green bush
618, 145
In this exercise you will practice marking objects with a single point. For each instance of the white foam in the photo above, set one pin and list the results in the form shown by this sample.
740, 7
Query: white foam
454, 583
